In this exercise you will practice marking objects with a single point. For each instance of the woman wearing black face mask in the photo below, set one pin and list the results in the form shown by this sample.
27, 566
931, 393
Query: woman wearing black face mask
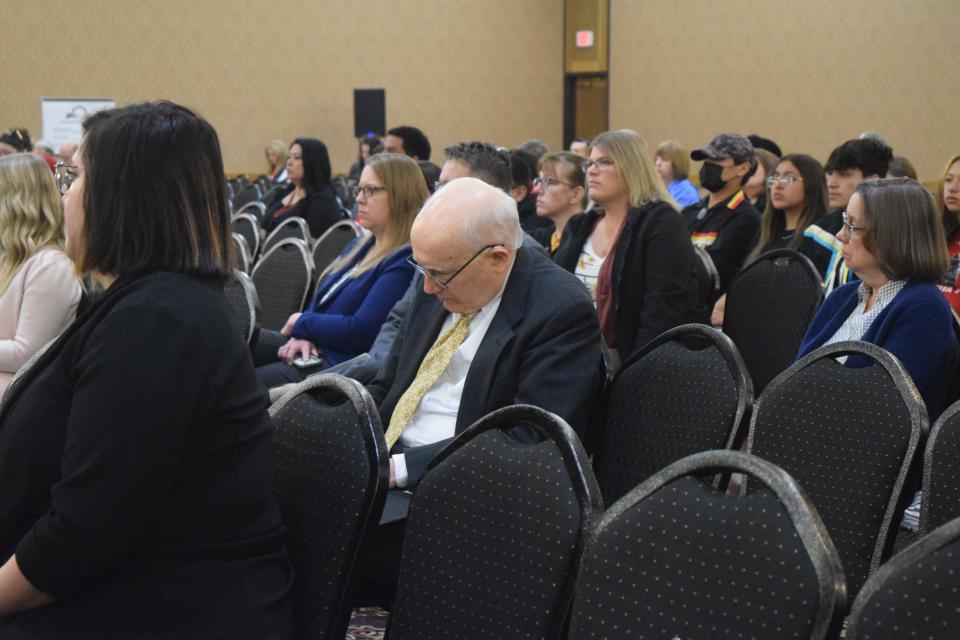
724, 223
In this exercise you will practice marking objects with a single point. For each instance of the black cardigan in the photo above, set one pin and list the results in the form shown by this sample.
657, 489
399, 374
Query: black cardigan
135, 462
320, 209
654, 281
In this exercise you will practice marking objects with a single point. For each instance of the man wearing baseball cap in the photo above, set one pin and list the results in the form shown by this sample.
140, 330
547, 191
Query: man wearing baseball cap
724, 223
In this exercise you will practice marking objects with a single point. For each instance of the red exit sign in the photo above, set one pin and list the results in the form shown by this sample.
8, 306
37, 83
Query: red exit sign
584, 39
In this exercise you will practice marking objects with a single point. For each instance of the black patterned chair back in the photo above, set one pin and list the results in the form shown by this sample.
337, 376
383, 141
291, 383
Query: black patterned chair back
915, 594
495, 533
941, 472
282, 278
332, 243
247, 193
248, 226
294, 227
708, 278
243, 301
770, 304
241, 253
850, 436
331, 476
257, 209
678, 558
686, 391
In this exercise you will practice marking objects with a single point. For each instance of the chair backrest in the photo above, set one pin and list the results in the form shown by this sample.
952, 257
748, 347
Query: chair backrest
332, 242
770, 304
914, 593
294, 227
686, 391
242, 298
256, 209
248, 193
678, 558
283, 278
849, 435
331, 476
248, 226
941, 472
242, 252
708, 278
271, 194
495, 532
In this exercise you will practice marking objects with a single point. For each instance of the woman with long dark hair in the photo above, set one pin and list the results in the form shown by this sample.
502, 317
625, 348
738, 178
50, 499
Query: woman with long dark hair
135, 453
309, 194
797, 196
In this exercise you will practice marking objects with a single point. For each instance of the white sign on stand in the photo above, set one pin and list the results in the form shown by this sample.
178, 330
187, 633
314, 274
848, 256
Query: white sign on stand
63, 117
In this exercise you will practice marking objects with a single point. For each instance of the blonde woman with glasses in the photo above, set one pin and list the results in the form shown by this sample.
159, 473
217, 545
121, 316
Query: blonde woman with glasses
633, 251
39, 290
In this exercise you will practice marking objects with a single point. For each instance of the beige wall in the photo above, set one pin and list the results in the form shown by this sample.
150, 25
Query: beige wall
483, 69
809, 74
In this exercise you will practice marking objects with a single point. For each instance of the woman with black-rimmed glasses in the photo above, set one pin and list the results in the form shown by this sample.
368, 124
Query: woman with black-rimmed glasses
561, 194
633, 251
358, 289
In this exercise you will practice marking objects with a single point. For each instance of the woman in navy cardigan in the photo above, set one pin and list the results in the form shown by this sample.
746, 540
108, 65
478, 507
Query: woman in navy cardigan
358, 290
893, 240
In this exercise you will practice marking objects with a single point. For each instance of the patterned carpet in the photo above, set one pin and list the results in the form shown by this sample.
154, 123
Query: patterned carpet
367, 623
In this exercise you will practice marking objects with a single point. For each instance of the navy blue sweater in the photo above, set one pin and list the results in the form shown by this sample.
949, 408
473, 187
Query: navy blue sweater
916, 327
346, 323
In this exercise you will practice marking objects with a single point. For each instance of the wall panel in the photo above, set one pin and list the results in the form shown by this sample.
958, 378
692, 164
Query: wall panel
809, 74
488, 69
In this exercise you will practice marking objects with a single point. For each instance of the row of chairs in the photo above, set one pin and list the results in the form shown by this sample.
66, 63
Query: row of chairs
288, 272
689, 391
504, 537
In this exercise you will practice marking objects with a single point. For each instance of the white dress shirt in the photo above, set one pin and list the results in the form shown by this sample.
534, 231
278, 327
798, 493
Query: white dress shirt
435, 418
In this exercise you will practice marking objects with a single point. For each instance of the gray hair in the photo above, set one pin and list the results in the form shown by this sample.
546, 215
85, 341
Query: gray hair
496, 222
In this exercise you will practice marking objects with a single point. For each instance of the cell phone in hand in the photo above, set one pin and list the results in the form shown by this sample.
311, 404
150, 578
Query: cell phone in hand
314, 360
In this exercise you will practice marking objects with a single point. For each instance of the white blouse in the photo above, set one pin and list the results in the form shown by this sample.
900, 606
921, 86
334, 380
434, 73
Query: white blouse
38, 304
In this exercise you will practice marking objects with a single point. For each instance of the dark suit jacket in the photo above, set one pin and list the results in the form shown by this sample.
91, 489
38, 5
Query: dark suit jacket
542, 348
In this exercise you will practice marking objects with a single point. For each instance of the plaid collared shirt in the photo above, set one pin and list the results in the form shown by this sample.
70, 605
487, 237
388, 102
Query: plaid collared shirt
859, 321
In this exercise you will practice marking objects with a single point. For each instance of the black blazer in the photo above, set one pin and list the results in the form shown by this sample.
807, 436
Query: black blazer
542, 348
321, 211
654, 281
135, 461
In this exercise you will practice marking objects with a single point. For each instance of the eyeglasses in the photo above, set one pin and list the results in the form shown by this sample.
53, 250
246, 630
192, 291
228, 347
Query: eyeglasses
369, 190
787, 179
546, 182
599, 163
65, 175
851, 227
435, 275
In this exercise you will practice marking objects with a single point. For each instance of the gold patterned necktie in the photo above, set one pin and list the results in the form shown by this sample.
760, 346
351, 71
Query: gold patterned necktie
434, 364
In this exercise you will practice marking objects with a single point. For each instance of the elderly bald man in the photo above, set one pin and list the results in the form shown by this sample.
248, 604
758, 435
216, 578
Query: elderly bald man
521, 329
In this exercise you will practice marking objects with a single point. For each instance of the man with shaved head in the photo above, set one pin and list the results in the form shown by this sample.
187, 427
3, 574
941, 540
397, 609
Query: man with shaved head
495, 324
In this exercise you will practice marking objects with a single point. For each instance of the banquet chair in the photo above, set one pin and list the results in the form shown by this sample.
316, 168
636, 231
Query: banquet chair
495, 532
914, 593
331, 476
850, 435
685, 391
770, 304
678, 558
282, 278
